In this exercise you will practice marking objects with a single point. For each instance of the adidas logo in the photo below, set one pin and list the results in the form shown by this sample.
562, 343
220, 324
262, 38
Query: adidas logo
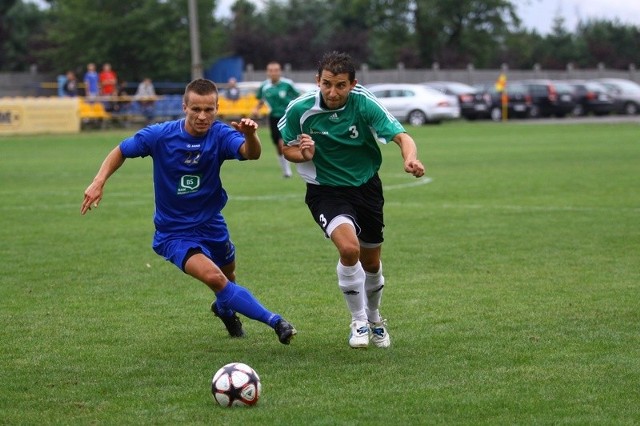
334, 117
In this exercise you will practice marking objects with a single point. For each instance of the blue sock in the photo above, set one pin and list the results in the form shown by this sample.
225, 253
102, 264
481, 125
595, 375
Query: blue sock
239, 299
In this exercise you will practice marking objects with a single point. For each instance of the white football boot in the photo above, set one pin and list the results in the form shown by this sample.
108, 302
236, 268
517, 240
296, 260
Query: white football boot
359, 337
379, 335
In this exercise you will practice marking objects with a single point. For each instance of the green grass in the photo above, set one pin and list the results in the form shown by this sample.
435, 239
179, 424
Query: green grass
513, 280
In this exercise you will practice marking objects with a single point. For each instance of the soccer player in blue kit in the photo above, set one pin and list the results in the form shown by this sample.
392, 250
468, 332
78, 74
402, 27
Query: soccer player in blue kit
190, 229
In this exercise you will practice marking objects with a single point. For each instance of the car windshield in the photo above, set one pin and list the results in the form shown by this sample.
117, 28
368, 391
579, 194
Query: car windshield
563, 88
591, 85
485, 87
432, 91
626, 86
392, 92
460, 88
516, 88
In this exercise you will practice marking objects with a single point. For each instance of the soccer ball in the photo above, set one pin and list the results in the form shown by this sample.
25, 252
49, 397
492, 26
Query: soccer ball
236, 384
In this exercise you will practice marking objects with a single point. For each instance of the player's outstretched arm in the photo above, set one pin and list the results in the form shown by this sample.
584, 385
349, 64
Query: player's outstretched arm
409, 154
93, 193
251, 148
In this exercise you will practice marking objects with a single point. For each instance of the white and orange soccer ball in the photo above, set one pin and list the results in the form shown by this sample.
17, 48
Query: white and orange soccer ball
236, 384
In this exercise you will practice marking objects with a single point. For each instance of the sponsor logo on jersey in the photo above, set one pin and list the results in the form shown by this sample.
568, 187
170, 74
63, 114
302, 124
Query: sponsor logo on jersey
317, 132
188, 184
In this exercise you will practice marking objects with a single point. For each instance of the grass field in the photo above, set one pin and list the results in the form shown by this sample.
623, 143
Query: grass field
513, 287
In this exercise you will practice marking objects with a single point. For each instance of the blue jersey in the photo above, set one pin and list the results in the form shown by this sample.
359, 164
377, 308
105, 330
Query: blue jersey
186, 171
91, 82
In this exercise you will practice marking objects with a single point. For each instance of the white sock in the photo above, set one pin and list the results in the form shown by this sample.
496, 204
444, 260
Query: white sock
373, 285
351, 283
284, 165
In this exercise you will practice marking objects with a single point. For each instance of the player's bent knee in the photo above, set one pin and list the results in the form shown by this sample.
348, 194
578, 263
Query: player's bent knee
214, 279
349, 253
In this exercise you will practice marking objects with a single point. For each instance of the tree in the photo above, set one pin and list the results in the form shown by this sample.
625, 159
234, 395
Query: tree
138, 37
560, 48
151, 37
351, 29
522, 50
455, 33
290, 32
610, 43
20, 35
390, 31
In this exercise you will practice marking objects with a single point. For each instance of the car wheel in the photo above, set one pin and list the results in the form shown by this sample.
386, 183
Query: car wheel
630, 108
416, 118
534, 111
578, 110
496, 114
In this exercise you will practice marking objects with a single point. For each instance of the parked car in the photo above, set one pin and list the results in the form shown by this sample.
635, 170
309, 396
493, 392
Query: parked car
626, 94
591, 98
473, 103
416, 104
518, 100
549, 98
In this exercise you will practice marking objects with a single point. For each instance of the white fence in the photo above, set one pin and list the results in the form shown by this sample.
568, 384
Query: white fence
34, 84
470, 75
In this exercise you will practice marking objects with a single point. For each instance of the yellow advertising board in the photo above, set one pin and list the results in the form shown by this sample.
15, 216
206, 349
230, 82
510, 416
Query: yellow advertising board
33, 115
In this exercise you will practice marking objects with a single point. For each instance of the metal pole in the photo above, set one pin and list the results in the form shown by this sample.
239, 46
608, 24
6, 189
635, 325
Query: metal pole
194, 33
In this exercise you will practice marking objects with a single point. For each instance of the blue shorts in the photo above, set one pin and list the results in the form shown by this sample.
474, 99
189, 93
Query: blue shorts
212, 240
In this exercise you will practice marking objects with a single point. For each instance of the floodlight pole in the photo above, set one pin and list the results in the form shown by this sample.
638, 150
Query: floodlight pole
194, 33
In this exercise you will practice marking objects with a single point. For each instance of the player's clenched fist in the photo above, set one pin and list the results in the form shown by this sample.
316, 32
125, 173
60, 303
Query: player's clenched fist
307, 147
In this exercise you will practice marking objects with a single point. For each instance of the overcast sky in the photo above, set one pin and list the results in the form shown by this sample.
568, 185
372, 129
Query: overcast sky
539, 14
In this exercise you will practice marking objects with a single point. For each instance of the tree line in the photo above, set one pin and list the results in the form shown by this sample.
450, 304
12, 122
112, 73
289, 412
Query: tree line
151, 37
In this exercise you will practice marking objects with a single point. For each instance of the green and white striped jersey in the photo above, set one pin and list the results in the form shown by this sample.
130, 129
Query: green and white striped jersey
277, 95
346, 139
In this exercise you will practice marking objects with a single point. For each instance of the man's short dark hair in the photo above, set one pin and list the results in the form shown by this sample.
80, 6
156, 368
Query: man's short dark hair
200, 86
337, 63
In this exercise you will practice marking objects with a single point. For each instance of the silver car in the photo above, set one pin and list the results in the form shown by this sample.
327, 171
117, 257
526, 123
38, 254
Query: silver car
416, 104
626, 94
473, 102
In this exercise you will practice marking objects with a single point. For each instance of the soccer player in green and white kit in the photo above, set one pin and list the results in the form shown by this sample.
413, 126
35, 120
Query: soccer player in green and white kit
333, 136
276, 91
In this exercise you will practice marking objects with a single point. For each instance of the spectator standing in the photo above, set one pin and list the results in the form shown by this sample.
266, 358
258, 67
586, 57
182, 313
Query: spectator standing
233, 91
70, 87
108, 85
91, 83
276, 91
123, 99
146, 98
